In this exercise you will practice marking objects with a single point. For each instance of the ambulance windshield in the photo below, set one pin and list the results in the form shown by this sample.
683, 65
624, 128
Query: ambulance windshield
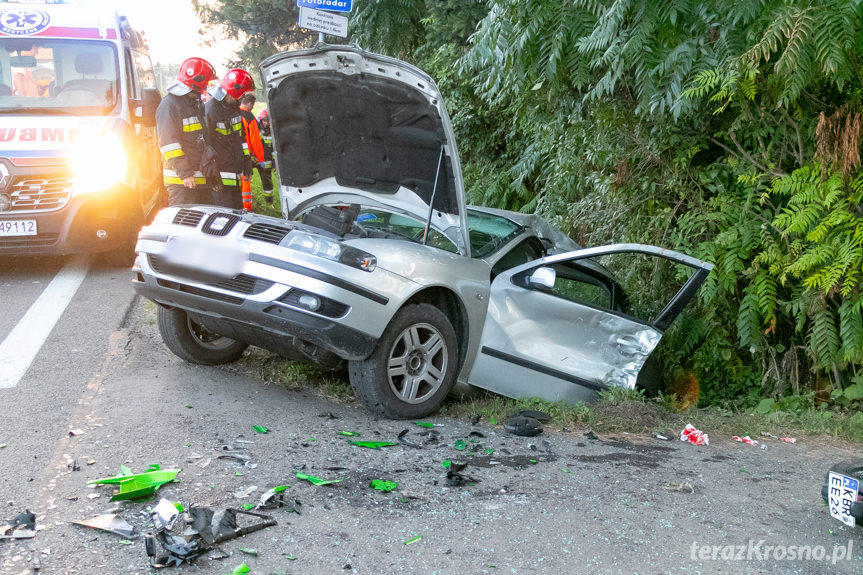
39, 76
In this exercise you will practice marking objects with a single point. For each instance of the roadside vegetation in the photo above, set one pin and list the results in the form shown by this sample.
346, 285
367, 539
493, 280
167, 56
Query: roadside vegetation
726, 130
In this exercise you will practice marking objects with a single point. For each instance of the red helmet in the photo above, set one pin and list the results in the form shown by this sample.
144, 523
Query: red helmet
263, 114
237, 82
195, 73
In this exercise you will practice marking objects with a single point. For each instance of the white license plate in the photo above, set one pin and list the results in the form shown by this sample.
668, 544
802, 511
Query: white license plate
842, 493
17, 228
212, 256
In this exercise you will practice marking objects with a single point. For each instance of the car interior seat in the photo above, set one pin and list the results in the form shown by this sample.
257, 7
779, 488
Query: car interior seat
90, 64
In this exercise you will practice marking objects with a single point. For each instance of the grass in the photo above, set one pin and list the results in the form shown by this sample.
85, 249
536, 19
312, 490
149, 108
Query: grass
615, 411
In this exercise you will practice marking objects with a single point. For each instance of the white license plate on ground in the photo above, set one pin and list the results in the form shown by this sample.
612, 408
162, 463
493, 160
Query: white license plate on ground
212, 256
17, 228
842, 493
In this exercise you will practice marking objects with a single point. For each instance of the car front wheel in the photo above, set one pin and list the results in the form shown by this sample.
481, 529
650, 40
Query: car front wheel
193, 342
413, 366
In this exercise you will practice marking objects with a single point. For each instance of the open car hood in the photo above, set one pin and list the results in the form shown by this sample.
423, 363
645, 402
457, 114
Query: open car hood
350, 126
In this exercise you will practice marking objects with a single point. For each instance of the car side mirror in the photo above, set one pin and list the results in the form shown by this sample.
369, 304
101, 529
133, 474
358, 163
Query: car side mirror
542, 278
144, 110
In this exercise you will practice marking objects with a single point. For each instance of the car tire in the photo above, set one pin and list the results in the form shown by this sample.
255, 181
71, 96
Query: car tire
427, 378
194, 343
853, 468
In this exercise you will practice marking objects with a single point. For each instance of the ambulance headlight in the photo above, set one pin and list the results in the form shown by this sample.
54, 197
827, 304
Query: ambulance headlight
99, 163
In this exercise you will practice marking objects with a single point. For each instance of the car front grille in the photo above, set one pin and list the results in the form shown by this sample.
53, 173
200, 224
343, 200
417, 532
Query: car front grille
266, 233
40, 193
187, 217
243, 283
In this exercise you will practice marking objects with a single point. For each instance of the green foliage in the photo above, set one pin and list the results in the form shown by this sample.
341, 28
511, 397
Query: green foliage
690, 124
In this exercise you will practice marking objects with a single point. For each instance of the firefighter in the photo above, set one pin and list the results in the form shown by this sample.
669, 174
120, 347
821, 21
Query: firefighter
226, 135
180, 128
265, 168
253, 140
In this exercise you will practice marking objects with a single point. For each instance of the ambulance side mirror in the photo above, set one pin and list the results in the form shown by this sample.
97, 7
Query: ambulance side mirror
144, 110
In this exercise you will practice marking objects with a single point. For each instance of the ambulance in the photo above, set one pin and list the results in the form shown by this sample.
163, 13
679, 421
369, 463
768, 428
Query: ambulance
80, 168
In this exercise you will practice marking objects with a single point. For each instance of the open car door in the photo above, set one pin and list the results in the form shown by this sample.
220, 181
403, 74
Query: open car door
562, 328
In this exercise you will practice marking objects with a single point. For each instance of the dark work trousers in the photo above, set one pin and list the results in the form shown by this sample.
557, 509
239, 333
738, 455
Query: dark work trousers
228, 197
179, 195
266, 178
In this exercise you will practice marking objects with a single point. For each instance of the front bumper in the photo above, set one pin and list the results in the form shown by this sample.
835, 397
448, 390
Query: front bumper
262, 323
88, 223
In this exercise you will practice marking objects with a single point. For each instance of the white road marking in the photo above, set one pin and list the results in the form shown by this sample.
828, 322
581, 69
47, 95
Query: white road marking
25, 340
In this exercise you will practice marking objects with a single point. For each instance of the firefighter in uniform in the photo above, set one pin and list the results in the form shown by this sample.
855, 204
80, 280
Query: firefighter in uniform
179, 124
265, 168
226, 136
253, 140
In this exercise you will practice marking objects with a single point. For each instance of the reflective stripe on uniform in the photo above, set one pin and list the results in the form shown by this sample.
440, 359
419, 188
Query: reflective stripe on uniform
267, 140
245, 149
237, 123
192, 124
171, 177
222, 128
266, 165
171, 151
230, 178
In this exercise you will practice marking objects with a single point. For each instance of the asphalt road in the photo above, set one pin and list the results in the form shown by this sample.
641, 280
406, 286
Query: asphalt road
622, 504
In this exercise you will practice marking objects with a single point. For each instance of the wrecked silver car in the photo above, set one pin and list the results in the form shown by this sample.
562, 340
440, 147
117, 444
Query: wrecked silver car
379, 265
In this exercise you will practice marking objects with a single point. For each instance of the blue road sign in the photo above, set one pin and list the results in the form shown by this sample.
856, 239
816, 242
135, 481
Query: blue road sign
331, 5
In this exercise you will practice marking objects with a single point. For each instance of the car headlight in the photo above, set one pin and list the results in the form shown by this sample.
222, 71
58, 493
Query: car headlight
331, 250
99, 163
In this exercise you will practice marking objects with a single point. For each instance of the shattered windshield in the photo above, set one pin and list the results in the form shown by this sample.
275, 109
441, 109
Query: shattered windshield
57, 76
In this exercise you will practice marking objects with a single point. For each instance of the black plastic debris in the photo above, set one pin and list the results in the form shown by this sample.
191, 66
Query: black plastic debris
23, 526
275, 498
590, 434
205, 528
455, 477
522, 425
431, 435
328, 415
407, 443
540, 416
476, 434
546, 446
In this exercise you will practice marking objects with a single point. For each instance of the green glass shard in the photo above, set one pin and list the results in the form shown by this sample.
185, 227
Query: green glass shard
248, 506
349, 433
280, 488
188, 407
446, 463
141, 485
317, 480
423, 424
260, 429
248, 551
238, 474
242, 568
533, 460
460, 444
414, 540
489, 451
290, 557
179, 507
493, 421
124, 542
373, 444
383, 485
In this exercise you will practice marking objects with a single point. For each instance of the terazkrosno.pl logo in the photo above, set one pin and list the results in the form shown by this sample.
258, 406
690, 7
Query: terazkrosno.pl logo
23, 21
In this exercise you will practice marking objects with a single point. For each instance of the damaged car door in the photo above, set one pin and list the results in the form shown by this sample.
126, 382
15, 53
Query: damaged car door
563, 328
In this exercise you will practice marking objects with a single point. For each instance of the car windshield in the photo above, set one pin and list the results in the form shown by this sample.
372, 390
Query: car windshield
488, 232
57, 76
